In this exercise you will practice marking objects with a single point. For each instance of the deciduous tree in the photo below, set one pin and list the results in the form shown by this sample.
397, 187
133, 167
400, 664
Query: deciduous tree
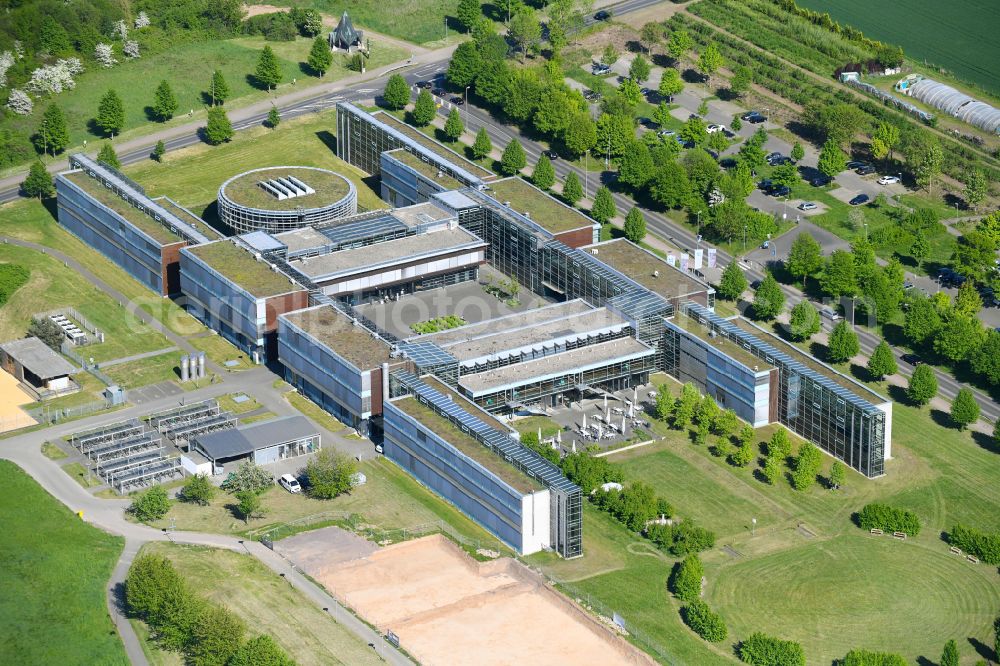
150, 505
604, 206
837, 475
768, 300
671, 83
798, 152
923, 385
424, 109
838, 278
964, 410
320, 57
164, 102
108, 156
482, 146
740, 82
732, 283
513, 158
882, 362
260, 651
218, 89
218, 128
639, 70
216, 636
832, 159
329, 474
524, 30
453, 127
52, 135
197, 490
635, 225
396, 94
843, 344
685, 580
572, 191
805, 257
635, 167
977, 187
580, 134
669, 186
710, 60
804, 321
468, 12
679, 43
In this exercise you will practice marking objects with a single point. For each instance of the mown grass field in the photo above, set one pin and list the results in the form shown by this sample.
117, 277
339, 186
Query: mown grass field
55, 568
826, 585
959, 35
265, 602
418, 21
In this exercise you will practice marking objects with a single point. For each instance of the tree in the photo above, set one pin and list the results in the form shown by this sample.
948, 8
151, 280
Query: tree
38, 184
639, 70
740, 82
779, 446
964, 409
685, 406
975, 255
650, 33
771, 470
694, 131
837, 123
248, 504
635, 167
838, 277
197, 490
884, 139
111, 113
679, 43
610, 55
710, 60
832, 159
218, 89
53, 38
572, 191
805, 257
630, 92
685, 580
635, 225
453, 127
743, 456
798, 152
807, 465
763, 650
164, 102
804, 321
47, 331
968, 302
604, 205
959, 337
985, 360
785, 174
671, 83
396, 94
923, 385
882, 362
150, 505
524, 30
108, 156
424, 109
466, 63
615, 132
52, 135
268, 71
704, 622
159, 150
732, 283
920, 249
977, 187
838, 473
320, 57
950, 655
482, 146
273, 117
468, 12
580, 134
843, 345
768, 300
924, 158
329, 474
669, 186
513, 158
215, 637
218, 129
248, 477
260, 651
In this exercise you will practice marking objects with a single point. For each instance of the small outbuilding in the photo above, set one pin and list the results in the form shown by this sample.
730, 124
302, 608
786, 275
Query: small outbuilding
263, 443
36, 366
345, 36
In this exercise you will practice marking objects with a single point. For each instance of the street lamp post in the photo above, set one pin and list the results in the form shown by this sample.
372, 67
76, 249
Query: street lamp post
753, 526
866, 231
744, 239
466, 105
586, 171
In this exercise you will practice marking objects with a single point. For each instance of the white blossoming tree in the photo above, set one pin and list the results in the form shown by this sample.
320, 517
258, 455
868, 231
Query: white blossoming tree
120, 30
141, 21
53, 79
18, 49
105, 55
72, 65
6, 62
19, 102
131, 49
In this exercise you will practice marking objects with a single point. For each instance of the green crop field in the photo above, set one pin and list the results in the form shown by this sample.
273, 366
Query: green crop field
55, 568
960, 35
824, 585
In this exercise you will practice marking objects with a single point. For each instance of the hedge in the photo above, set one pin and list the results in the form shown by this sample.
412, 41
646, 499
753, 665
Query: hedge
685, 580
984, 545
704, 622
868, 658
889, 519
763, 650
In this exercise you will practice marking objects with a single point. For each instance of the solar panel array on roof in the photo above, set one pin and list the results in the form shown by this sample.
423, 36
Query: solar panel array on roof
513, 452
427, 355
352, 232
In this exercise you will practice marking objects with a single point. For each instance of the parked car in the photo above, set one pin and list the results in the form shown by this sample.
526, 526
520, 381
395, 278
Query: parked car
765, 245
425, 84
865, 170
858, 200
888, 180
439, 92
854, 164
551, 154
807, 205
600, 69
907, 285
712, 129
820, 181
666, 133
602, 15
753, 117
765, 185
728, 132
829, 313
457, 100
591, 95
645, 91
911, 359
755, 284
290, 483
780, 191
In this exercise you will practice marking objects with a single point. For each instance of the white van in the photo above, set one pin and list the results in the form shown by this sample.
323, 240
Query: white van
830, 314
290, 483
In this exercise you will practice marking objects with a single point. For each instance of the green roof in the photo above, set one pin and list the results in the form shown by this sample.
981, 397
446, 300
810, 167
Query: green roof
546, 211
430, 144
646, 268
334, 330
428, 170
242, 268
462, 402
721, 343
158, 232
244, 190
468, 445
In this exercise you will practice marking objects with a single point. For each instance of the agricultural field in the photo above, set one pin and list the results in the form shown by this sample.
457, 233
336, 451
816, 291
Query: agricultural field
53, 609
418, 21
806, 562
959, 36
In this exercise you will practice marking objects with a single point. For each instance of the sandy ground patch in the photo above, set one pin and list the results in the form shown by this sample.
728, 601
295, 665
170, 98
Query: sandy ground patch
256, 10
12, 396
448, 609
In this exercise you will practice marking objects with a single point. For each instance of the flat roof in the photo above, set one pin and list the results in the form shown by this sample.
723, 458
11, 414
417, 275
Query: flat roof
426, 169
720, 342
238, 265
158, 232
243, 190
467, 444
302, 239
420, 213
335, 330
518, 374
430, 144
38, 358
184, 215
247, 439
646, 268
464, 404
542, 209
387, 253
510, 322
582, 323
810, 362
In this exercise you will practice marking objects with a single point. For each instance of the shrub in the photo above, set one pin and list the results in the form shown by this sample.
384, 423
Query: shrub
260, 651
681, 539
704, 622
248, 476
215, 637
984, 545
685, 580
763, 650
197, 490
329, 474
888, 518
868, 658
150, 505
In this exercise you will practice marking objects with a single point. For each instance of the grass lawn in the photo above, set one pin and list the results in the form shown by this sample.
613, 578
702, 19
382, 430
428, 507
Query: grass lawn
221, 350
267, 604
824, 590
192, 176
81, 475
162, 368
318, 415
419, 21
228, 403
90, 391
533, 423
53, 609
263, 416
53, 452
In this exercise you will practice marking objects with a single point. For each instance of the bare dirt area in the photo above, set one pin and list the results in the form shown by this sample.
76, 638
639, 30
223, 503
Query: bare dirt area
256, 10
446, 608
12, 396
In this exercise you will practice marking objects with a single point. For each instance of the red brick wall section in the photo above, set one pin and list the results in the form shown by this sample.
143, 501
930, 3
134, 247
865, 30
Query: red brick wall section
376, 376
170, 257
278, 305
576, 237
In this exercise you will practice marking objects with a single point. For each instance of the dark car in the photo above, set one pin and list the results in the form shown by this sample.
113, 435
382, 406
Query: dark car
765, 185
780, 191
854, 164
754, 118
865, 170
912, 359
602, 15
551, 154
750, 114
439, 92
425, 84
458, 100
755, 284
820, 181
858, 200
